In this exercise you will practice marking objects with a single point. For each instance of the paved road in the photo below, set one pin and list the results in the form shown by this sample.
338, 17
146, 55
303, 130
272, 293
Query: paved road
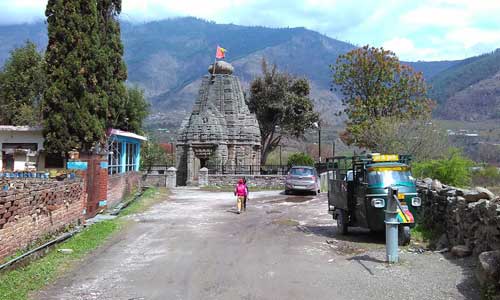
193, 246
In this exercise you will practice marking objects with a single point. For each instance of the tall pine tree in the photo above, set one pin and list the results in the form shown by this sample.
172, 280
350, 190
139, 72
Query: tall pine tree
112, 72
86, 75
74, 103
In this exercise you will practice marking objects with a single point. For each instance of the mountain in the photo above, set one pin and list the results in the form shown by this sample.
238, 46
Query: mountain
12, 36
470, 89
167, 59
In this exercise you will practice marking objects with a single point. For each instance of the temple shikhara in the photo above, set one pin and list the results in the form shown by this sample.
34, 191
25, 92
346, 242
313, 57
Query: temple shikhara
220, 130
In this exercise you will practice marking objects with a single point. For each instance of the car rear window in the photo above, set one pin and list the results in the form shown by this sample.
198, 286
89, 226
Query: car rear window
301, 171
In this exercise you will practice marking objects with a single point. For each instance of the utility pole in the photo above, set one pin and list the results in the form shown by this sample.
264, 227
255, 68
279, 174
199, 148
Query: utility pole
319, 141
318, 125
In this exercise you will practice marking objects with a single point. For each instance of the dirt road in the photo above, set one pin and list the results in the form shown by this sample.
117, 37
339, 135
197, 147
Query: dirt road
194, 246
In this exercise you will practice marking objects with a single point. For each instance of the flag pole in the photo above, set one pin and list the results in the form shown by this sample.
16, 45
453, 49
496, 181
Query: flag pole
215, 61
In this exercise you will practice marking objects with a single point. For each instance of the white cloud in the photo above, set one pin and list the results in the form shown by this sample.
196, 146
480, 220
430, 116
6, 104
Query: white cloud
21, 11
436, 16
470, 37
425, 29
405, 49
146, 10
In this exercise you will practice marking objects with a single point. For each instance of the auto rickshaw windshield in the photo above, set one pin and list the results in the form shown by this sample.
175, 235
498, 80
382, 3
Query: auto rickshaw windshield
388, 177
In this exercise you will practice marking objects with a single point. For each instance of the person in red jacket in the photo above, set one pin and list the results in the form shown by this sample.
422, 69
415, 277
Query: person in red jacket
240, 192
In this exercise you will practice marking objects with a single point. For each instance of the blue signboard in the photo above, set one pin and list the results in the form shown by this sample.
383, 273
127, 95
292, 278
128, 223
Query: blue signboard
104, 164
102, 203
77, 165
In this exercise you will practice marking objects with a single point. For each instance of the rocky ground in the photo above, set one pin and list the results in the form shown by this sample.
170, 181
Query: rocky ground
194, 246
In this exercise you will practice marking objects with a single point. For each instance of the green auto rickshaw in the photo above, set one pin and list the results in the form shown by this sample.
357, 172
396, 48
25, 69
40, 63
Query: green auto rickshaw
357, 192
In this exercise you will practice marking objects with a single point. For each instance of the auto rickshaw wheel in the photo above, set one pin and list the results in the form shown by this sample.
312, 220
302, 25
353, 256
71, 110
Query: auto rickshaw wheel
342, 221
404, 235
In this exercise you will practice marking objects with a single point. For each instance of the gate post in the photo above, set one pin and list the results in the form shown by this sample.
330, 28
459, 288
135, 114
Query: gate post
203, 177
391, 226
171, 177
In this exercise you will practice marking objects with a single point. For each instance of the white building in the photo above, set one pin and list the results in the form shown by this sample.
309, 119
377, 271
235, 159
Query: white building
21, 149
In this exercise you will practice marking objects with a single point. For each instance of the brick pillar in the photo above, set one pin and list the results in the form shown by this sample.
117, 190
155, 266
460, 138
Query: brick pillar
203, 177
171, 177
94, 169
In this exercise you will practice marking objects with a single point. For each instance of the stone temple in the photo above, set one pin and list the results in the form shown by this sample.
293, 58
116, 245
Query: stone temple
220, 131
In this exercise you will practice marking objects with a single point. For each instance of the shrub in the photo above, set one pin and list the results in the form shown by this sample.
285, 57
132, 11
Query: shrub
300, 159
487, 176
453, 169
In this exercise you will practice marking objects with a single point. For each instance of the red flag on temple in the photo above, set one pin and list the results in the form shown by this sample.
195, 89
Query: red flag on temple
220, 53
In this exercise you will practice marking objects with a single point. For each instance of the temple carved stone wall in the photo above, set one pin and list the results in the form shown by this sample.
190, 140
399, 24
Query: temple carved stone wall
220, 130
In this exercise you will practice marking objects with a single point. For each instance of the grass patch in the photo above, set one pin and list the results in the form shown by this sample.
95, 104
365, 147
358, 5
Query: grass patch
149, 198
19, 283
421, 234
230, 188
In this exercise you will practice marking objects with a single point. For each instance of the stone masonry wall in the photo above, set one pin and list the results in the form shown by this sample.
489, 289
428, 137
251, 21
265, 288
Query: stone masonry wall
469, 218
158, 180
268, 181
33, 208
120, 185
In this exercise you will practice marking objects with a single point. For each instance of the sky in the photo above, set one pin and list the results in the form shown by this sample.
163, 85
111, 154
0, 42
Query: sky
414, 29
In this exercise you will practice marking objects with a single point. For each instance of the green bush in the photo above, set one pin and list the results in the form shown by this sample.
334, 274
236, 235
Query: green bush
300, 159
454, 169
486, 176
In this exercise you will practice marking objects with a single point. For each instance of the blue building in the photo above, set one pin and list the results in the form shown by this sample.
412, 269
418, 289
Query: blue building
124, 151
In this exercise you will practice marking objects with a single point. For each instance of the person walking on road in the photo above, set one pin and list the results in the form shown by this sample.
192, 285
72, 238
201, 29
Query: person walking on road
240, 192
246, 196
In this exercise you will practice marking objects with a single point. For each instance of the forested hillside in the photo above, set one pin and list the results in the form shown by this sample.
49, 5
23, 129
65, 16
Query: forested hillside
167, 59
469, 90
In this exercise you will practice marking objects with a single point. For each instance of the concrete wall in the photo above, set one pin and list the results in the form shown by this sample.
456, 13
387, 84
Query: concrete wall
121, 185
268, 181
33, 208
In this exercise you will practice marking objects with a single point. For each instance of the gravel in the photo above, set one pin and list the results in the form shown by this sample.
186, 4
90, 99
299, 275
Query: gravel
194, 246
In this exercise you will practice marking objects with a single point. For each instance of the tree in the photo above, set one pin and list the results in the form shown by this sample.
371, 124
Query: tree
419, 138
282, 106
112, 71
300, 159
22, 83
375, 85
453, 169
75, 106
152, 154
136, 110
86, 76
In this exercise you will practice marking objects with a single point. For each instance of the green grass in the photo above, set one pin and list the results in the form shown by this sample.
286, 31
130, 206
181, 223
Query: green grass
19, 283
421, 234
149, 198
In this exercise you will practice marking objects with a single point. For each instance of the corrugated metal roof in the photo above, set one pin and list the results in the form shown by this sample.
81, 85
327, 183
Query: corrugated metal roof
20, 128
119, 132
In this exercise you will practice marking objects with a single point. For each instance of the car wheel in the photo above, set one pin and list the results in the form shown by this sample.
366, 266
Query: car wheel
342, 221
287, 192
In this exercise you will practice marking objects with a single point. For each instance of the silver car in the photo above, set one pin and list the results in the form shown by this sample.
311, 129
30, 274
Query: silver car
302, 178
